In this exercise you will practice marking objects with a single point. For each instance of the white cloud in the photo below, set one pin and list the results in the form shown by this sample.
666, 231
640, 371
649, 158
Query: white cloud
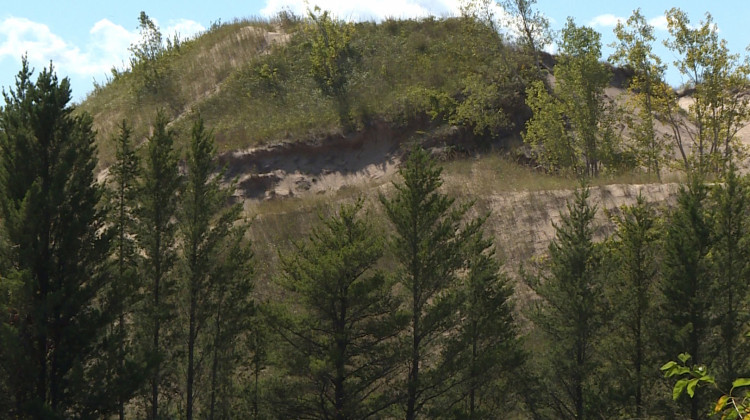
606, 20
184, 28
107, 45
357, 10
659, 22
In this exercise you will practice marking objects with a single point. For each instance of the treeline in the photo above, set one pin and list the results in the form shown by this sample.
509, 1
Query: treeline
132, 297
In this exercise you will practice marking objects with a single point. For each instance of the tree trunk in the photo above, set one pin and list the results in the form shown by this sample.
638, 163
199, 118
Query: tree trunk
191, 354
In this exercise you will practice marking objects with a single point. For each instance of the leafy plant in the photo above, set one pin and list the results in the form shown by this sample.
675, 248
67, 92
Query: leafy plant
733, 404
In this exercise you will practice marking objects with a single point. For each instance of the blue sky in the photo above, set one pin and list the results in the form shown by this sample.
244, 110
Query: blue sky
86, 38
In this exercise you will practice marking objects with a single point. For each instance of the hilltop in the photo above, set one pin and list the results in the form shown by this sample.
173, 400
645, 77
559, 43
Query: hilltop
453, 85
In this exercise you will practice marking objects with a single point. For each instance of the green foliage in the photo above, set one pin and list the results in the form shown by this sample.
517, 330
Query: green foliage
331, 59
532, 28
570, 312
341, 322
413, 73
632, 254
427, 244
122, 183
486, 349
156, 211
686, 284
732, 404
645, 89
546, 133
571, 129
729, 265
53, 353
144, 61
718, 112
210, 238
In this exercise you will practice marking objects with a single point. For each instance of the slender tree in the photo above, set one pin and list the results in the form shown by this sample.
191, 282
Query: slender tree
157, 208
646, 88
487, 347
123, 293
633, 285
573, 128
54, 225
427, 245
686, 283
236, 326
729, 264
532, 27
707, 138
569, 311
206, 227
345, 334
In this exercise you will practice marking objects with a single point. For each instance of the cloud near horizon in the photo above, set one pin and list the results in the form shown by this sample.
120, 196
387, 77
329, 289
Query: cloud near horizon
106, 47
357, 10
606, 20
609, 20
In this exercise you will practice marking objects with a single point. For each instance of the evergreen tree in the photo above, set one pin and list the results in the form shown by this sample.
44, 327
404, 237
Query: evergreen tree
50, 354
236, 337
488, 351
343, 333
207, 234
729, 264
157, 206
123, 293
633, 259
428, 247
686, 285
569, 312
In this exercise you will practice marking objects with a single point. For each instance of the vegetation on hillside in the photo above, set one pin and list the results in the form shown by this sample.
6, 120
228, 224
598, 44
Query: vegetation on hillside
136, 297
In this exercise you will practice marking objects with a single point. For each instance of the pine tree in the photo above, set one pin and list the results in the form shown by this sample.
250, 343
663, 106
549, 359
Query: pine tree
686, 284
569, 311
207, 234
427, 246
729, 264
633, 256
157, 206
123, 293
235, 340
487, 347
343, 335
51, 214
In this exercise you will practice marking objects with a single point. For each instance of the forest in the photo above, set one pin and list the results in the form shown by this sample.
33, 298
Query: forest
129, 274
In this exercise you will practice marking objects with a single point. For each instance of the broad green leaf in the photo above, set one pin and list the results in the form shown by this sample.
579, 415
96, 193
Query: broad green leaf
740, 382
668, 365
691, 387
684, 357
679, 387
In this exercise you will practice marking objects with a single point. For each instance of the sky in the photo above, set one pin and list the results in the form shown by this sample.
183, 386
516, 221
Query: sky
84, 39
